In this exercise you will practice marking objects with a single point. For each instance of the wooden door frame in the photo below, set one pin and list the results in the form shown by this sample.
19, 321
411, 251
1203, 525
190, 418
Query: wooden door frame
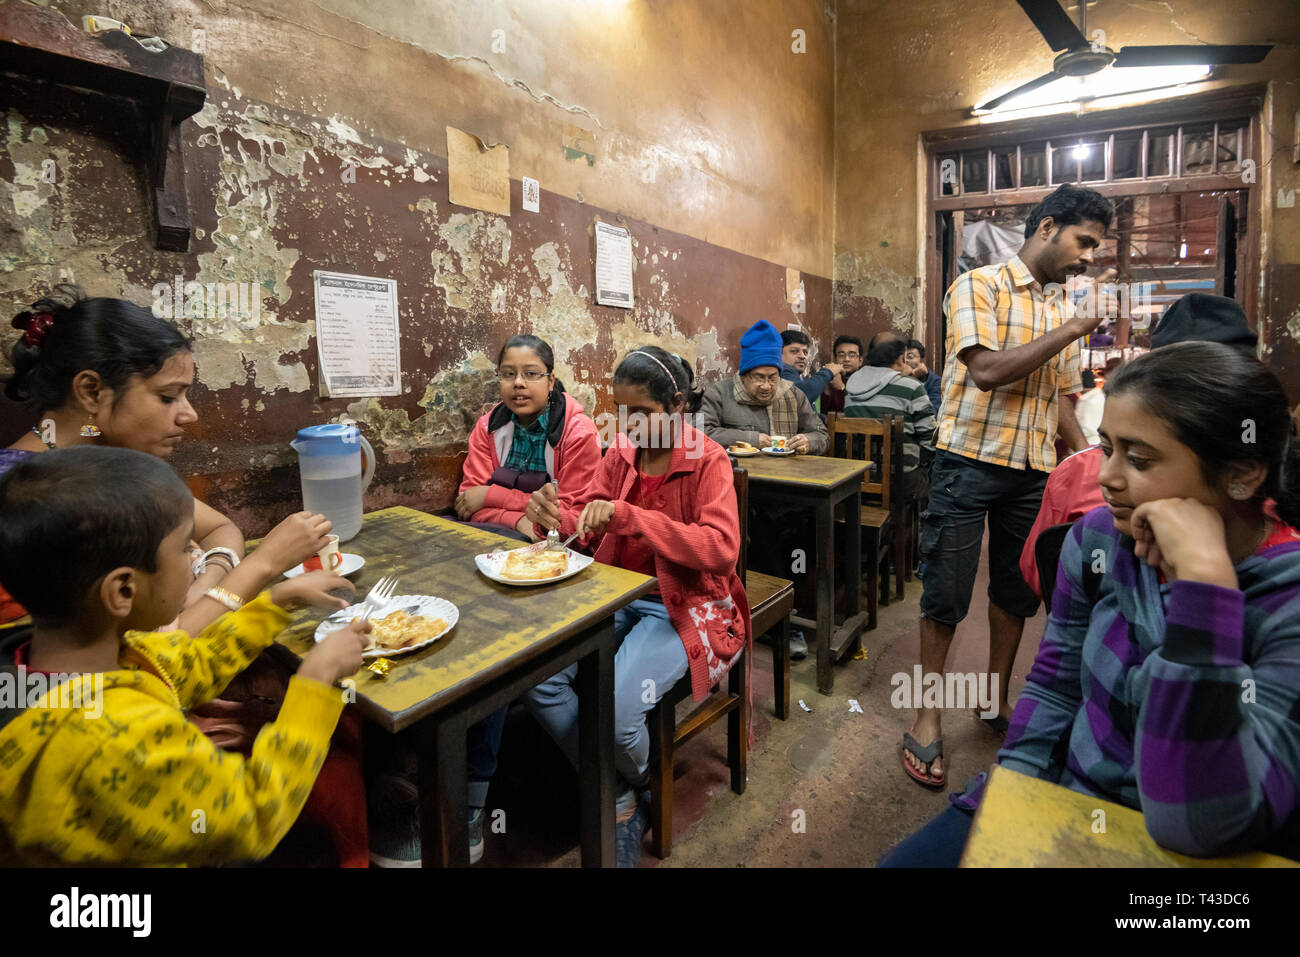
1216, 105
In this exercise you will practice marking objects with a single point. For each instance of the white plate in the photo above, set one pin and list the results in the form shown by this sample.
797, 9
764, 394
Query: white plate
490, 564
351, 563
742, 455
430, 607
771, 451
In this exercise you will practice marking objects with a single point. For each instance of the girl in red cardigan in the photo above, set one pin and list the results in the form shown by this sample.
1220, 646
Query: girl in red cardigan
664, 504
535, 434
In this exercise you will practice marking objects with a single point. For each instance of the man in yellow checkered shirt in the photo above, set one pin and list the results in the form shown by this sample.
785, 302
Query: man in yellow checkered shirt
1013, 354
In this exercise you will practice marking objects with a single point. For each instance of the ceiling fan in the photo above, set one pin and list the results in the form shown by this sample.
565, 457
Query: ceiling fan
1083, 58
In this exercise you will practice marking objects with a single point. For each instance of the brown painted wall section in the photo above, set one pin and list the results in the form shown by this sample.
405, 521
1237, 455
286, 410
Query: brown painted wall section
270, 204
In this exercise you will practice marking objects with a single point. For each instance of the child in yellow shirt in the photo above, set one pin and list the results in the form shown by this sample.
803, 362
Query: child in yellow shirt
104, 768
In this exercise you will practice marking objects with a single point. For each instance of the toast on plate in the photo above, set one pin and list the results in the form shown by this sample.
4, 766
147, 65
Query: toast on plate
526, 564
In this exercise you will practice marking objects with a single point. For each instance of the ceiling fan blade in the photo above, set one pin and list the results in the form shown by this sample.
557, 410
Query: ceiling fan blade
997, 101
1054, 24
1192, 54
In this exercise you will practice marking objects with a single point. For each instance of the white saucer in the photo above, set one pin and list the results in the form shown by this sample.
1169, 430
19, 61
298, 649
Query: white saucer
771, 451
351, 563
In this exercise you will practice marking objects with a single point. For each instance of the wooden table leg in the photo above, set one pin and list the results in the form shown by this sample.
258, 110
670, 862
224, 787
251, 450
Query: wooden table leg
825, 550
853, 574
781, 669
595, 688
444, 814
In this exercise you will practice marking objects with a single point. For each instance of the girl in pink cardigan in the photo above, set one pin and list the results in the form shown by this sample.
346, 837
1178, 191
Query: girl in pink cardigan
535, 434
663, 503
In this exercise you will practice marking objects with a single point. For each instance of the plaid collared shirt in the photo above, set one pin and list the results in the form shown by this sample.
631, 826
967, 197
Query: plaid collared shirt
1002, 307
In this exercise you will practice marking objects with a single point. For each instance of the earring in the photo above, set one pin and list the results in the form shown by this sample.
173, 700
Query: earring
90, 430
1238, 491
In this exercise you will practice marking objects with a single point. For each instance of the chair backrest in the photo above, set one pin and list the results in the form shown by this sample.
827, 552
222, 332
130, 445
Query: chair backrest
882, 444
1047, 556
741, 479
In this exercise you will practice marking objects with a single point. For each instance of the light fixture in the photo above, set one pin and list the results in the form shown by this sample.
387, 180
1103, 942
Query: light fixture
1080, 152
1067, 90
1182, 251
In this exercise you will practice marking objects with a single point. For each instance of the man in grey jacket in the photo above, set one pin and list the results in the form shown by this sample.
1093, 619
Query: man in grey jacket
757, 404
752, 407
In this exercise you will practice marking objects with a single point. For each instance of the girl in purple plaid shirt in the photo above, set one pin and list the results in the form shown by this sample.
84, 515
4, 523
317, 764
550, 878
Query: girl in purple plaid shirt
1168, 679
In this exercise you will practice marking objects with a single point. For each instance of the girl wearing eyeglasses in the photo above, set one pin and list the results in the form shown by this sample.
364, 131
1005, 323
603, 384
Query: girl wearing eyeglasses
536, 433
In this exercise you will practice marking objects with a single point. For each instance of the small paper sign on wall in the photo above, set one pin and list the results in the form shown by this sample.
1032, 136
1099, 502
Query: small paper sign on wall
613, 266
532, 195
477, 176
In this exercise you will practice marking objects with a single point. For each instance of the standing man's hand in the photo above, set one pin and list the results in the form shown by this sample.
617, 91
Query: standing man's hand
1087, 325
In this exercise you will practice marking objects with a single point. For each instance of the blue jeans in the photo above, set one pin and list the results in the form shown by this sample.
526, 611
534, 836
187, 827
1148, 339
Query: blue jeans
482, 742
649, 661
938, 844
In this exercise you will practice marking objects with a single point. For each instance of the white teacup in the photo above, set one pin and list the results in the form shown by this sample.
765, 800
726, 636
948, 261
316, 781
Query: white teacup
329, 557
778, 442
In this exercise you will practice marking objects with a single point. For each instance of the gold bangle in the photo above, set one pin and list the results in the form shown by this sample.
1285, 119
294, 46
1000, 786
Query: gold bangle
226, 597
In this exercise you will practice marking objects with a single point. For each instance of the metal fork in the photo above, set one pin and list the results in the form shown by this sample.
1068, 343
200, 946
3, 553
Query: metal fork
379, 596
553, 536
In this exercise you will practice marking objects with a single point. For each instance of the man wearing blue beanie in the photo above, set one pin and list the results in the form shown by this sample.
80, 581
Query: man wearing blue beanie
760, 346
752, 407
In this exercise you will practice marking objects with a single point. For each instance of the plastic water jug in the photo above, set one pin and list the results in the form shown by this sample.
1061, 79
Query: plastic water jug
329, 461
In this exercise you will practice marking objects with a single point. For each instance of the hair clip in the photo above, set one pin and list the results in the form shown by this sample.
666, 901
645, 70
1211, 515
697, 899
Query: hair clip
35, 326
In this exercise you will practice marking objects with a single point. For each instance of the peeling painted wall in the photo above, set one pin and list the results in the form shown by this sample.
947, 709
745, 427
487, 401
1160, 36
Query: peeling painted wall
270, 205
956, 55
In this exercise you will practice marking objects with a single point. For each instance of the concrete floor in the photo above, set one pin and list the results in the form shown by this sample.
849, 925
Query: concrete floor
840, 768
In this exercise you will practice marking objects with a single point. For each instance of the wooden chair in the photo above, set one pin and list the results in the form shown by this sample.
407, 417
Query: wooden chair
1047, 556
882, 489
771, 602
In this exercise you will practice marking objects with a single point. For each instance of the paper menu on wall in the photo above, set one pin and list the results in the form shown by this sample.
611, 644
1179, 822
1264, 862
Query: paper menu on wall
357, 335
613, 266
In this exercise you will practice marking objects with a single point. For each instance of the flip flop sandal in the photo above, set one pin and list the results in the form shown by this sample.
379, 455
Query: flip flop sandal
926, 755
997, 724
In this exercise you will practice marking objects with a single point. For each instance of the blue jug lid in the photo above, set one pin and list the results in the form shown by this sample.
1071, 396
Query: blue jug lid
333, 438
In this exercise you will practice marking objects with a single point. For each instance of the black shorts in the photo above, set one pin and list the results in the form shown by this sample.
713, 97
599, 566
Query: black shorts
963, 492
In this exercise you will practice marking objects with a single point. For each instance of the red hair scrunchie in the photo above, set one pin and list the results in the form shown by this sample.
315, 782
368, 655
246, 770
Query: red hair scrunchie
35, 326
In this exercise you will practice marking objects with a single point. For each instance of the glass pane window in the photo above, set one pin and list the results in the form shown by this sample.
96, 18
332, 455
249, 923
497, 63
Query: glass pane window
1127, 155
975, 171
1004, 168
1229, 149
1160, 152
1033, 170
948, 166
1198, 150
1065, 168
1092, 161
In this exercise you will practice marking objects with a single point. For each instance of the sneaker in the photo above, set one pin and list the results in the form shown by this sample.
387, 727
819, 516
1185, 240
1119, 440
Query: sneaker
628, 837
798, 646
394, 823
476, 835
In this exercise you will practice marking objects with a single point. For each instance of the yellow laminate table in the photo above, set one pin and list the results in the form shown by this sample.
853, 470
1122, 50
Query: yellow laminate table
820, 483
508, 639
1023, 821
